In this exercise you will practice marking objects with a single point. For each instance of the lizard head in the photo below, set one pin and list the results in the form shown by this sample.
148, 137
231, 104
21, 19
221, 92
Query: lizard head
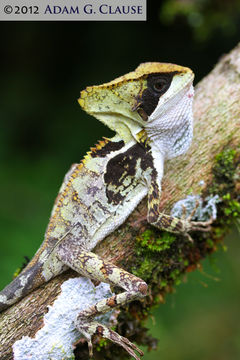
156, 97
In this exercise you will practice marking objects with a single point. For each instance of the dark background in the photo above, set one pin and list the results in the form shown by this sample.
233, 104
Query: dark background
44, 65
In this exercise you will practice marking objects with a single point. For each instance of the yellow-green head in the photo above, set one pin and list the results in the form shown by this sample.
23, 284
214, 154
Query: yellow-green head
126, 104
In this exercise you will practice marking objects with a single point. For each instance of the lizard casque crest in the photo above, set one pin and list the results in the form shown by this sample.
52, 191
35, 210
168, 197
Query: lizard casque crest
150, 109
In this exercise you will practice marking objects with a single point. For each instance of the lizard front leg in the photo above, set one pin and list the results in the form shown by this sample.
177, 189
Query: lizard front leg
92, 266
168, 222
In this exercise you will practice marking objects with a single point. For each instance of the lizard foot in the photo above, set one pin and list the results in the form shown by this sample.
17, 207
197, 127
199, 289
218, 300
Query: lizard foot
89, 328
195, 225
201, 225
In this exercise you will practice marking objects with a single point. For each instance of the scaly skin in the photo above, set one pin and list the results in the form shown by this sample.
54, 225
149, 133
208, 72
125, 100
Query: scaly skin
151, 111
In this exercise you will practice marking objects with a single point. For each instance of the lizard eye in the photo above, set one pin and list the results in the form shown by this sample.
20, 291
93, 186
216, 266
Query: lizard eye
160, 85
157, 85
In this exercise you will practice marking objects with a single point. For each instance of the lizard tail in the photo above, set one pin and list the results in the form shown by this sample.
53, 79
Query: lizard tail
29, 279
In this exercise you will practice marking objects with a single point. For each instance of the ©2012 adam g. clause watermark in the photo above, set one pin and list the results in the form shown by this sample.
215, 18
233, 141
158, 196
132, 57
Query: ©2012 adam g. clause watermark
73, 10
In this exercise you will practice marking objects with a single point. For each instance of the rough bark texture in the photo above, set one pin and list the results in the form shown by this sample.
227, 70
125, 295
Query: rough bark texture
213, 157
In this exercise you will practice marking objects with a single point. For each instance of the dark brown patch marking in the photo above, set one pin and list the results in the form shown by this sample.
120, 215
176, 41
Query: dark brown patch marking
122, 166
109, 147
99, 330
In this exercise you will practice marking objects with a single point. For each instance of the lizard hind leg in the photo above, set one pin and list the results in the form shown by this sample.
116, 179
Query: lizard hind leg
92, 266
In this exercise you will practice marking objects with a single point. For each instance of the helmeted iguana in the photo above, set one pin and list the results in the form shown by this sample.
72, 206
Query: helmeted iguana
150, 109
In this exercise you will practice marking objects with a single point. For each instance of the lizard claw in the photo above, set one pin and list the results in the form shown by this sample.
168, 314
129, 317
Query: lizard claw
194, 225
204, 226
189, 237
91, 328
125, 343
193, 212
184, 212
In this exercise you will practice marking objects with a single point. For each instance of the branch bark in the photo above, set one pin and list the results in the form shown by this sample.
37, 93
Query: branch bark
217, 128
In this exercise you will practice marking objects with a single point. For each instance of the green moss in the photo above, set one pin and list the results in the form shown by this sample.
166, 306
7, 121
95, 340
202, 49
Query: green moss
226, 159
148, 240
231, 211
144, 269
210, 243
233, 206
186, 262
223, 171
175, 275
225, 180
101, 344
148, 246
158, 259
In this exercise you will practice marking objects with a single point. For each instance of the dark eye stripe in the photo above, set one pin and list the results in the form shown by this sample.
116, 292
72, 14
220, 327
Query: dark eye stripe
157, 85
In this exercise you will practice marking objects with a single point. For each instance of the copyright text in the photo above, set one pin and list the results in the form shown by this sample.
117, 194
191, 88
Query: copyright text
75, 10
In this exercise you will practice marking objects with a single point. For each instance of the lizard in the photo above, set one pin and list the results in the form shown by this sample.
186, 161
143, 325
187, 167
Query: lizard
150, 110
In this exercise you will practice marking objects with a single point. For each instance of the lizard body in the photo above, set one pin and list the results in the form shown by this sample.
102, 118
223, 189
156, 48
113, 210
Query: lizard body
150, 110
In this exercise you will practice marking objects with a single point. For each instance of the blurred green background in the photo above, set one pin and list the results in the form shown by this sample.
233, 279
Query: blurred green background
43, 131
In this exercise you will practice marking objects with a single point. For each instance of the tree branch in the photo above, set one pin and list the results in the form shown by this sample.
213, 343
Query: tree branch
214, 158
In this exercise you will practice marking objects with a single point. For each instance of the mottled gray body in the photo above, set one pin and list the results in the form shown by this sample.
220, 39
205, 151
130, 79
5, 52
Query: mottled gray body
94, 200
88, 212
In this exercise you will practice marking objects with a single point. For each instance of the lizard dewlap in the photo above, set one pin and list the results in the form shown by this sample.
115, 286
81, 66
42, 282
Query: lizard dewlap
150, 110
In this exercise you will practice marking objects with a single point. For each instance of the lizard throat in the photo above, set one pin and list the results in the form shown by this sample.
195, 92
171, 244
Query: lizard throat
171, 130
